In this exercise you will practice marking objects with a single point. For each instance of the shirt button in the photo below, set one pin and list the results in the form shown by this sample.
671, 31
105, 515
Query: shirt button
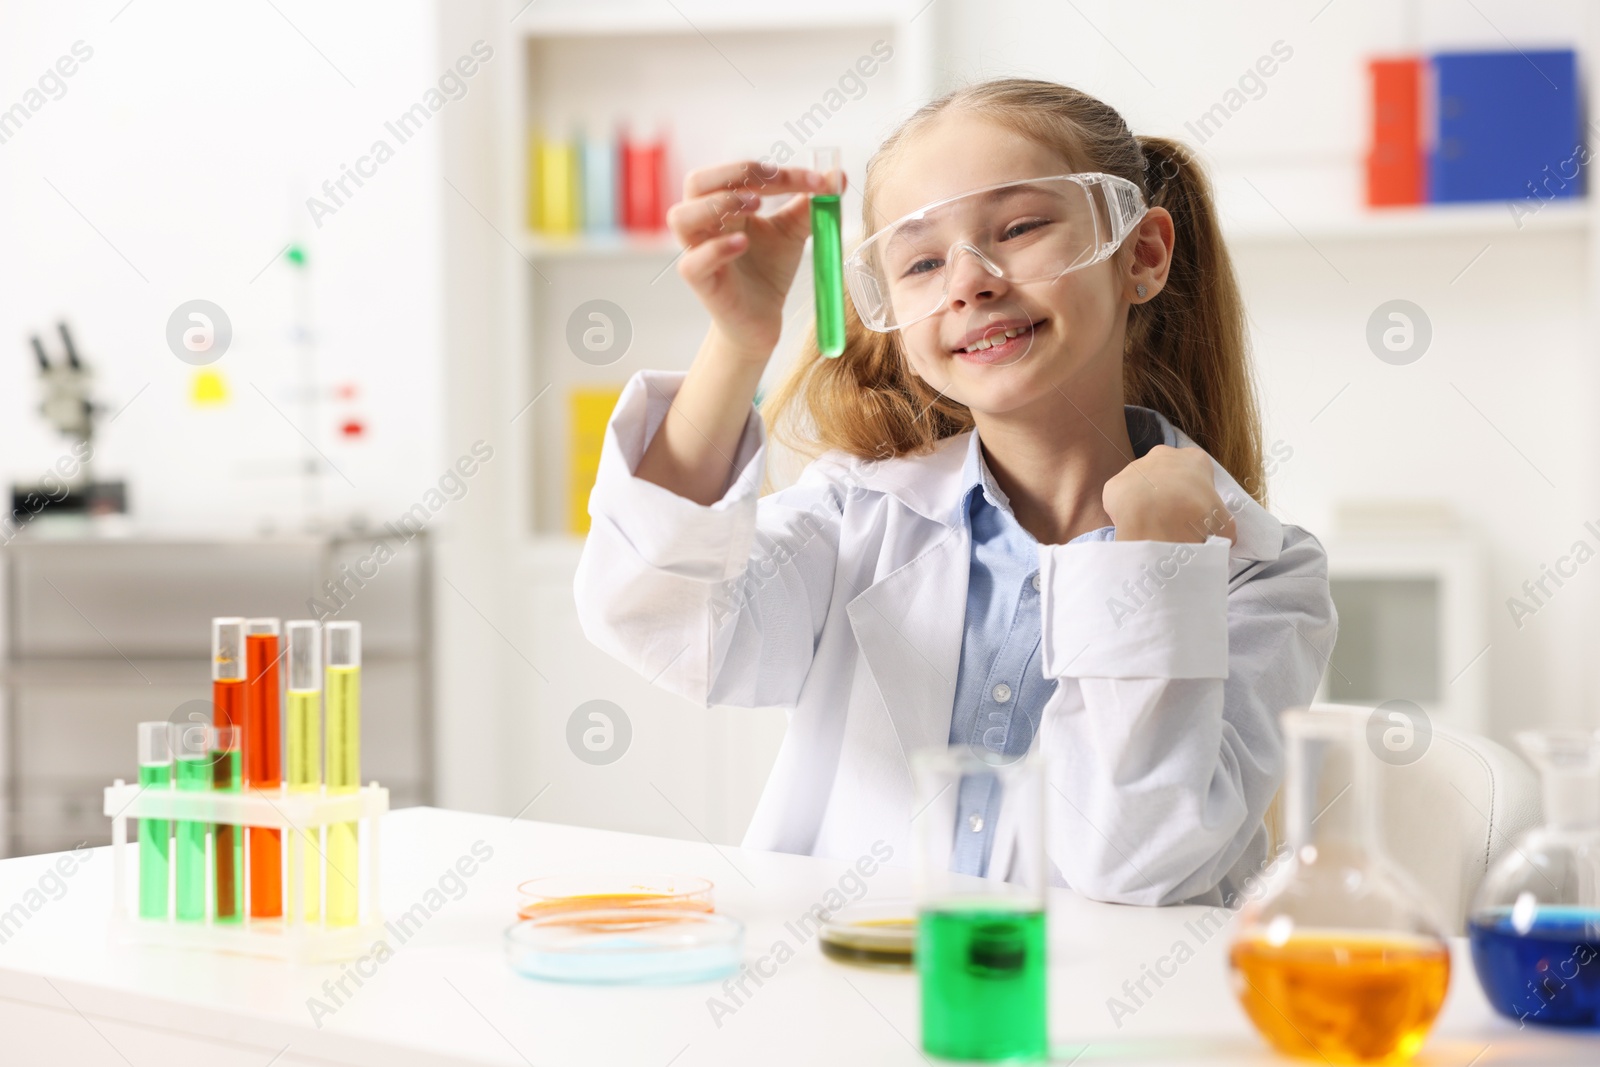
1002, 693
975, 821
1037, 584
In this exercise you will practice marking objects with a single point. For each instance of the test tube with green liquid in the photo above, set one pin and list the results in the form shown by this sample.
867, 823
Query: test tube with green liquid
155, 835
343, 697
827, 252
192, 747
305, 757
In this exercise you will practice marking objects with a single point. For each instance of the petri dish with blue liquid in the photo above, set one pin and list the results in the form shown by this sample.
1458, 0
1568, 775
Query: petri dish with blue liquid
626, 946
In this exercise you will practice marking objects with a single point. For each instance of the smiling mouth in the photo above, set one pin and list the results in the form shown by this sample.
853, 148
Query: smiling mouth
999, 343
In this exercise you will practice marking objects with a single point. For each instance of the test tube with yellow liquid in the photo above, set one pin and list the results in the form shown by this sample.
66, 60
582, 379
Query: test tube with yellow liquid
343, 700
305, 758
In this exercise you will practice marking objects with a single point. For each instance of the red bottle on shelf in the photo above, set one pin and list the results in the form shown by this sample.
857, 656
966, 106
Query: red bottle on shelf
644, 181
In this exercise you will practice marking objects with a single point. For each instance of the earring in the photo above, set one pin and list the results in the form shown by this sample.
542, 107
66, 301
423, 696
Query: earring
1141, 290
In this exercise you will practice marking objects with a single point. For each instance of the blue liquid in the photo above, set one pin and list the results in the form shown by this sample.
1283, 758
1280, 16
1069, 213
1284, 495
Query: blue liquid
1549, 975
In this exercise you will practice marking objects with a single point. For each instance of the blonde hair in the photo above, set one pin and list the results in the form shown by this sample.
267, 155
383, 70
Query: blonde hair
1186, 352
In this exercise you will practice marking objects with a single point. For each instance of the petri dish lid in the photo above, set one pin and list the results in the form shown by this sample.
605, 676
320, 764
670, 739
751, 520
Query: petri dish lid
880, 933
598, 892
626, 946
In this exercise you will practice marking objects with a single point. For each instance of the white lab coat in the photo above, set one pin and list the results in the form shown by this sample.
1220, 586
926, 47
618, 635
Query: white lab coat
842, 599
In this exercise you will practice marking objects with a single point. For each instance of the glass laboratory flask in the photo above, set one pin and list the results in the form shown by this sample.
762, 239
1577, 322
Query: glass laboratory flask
1342, 960
979, 878
1534, 924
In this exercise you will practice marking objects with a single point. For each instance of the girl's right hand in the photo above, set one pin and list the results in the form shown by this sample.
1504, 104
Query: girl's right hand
741, 264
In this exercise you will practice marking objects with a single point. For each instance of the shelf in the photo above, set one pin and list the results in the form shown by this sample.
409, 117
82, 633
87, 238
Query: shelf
543, 248
599, 246
1444, 220
618, 18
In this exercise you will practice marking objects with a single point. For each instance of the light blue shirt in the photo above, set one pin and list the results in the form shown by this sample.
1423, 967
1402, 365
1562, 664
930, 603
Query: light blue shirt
1001, 689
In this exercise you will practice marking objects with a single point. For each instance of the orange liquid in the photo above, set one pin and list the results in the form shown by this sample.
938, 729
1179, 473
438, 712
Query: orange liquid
1343, 999
538, 909
227, 709
263, 769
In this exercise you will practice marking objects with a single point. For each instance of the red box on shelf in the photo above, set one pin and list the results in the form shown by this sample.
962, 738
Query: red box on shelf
1396, 172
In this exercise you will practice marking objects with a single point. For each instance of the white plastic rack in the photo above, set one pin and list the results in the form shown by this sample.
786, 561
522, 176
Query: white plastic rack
288, 938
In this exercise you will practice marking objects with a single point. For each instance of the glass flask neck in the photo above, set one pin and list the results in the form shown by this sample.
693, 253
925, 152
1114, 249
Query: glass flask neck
1330, 783
1569, 769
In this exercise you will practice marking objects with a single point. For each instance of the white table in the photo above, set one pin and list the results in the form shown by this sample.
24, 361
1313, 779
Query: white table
446, 996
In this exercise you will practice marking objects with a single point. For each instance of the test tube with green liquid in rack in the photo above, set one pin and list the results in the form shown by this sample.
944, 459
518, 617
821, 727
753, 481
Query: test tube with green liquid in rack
305, 755
343, 699
192, 747
827, 252
155, 835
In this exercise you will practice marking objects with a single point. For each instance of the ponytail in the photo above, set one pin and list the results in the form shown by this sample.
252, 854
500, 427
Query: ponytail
1186, 353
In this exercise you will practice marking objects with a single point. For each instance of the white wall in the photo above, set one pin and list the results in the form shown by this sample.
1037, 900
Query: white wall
189, 141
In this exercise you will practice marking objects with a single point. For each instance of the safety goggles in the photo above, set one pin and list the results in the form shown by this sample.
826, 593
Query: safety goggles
1031, 230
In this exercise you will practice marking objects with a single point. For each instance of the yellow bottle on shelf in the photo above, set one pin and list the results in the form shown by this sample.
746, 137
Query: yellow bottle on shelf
533, 154
558, 204
589, 409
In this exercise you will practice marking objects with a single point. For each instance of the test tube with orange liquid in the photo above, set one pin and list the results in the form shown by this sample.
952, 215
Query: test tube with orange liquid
263, 760
227, 713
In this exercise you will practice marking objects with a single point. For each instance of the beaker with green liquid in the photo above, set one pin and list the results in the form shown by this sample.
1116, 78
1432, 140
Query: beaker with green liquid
827, 252
980, 888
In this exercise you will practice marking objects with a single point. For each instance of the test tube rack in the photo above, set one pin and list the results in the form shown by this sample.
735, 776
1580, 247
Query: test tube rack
290, 938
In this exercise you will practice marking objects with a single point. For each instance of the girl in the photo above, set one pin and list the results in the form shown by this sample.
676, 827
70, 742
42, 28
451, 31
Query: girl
1034, 518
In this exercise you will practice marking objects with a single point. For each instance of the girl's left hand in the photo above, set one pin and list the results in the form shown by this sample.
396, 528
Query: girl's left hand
1167, 495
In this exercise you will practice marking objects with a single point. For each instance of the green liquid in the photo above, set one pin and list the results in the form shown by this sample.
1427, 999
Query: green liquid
193, 774
827, 270
155, 847
983, 984
228, 845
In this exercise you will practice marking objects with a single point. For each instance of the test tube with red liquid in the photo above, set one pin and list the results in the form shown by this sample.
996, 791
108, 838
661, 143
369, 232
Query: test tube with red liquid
263, 761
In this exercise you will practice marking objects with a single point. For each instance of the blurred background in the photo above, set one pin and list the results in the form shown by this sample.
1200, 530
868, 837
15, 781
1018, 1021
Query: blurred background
348, 291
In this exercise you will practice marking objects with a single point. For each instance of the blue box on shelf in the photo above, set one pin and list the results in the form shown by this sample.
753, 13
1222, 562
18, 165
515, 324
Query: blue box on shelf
1507, 126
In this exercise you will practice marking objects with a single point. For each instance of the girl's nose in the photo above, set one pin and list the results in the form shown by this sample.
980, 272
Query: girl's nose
972, 278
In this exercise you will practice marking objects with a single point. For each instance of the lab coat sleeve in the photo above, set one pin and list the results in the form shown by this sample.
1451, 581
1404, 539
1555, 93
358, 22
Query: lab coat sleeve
1162, 776
719, 603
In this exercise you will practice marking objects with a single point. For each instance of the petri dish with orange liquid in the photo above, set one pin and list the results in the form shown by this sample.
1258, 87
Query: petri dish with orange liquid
606, 893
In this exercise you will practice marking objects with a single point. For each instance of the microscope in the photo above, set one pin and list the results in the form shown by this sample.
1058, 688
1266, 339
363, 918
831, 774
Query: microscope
67, 487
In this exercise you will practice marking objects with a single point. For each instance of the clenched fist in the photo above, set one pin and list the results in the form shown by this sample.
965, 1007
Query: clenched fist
1167, 495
